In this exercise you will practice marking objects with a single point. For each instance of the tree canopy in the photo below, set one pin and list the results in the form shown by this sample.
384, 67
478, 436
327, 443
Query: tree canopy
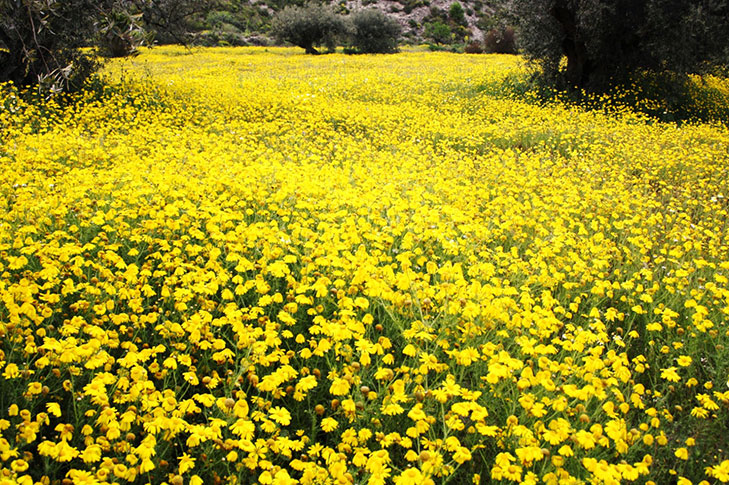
41, 42
309, 26
374, 32
605, 40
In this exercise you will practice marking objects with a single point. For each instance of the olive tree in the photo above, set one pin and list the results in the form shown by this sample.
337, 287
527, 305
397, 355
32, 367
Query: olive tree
374, 32
51, 43
171, 21
308, 27
606, 40
41, 40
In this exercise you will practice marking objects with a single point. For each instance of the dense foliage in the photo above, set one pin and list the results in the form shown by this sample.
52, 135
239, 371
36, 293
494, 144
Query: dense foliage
171, 21
446, 26
374, 32
367, 31
253, 266
40, 41
309, 27
607, 40
438, 32
120, 32
43, 42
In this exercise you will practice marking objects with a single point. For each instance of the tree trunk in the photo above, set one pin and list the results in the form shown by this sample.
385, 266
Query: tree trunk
579, 65
11, 60
310, 49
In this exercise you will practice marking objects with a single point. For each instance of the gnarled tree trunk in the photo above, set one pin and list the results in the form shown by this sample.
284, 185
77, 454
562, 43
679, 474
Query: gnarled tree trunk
309, 49
579, 64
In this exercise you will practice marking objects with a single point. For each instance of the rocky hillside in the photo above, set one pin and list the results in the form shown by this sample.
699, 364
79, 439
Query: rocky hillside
415, 15
248, 21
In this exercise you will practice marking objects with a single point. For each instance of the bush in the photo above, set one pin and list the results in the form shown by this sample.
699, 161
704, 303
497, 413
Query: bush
220, 18
473, 47
221, 38
500, 41
457, 14
438, 32
374, 32
308, 27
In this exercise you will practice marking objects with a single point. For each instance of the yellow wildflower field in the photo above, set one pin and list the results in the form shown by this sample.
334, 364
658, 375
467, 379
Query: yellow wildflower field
254, 266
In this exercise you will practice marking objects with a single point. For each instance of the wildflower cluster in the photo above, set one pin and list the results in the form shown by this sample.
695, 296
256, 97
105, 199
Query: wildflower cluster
252, 266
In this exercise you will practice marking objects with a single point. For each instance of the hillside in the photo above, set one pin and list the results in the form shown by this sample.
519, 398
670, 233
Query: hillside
248, 22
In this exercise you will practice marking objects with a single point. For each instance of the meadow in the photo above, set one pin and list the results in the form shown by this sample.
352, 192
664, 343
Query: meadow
253, 266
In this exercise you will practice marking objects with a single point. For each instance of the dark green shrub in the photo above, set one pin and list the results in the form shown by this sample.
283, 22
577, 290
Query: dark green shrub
308, 27
457, 48
374, 32
437, 13
457, 14
221, 38
459, 33
219, 18
438, 32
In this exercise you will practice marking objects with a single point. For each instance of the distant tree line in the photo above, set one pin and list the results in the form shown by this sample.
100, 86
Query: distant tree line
313, 25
